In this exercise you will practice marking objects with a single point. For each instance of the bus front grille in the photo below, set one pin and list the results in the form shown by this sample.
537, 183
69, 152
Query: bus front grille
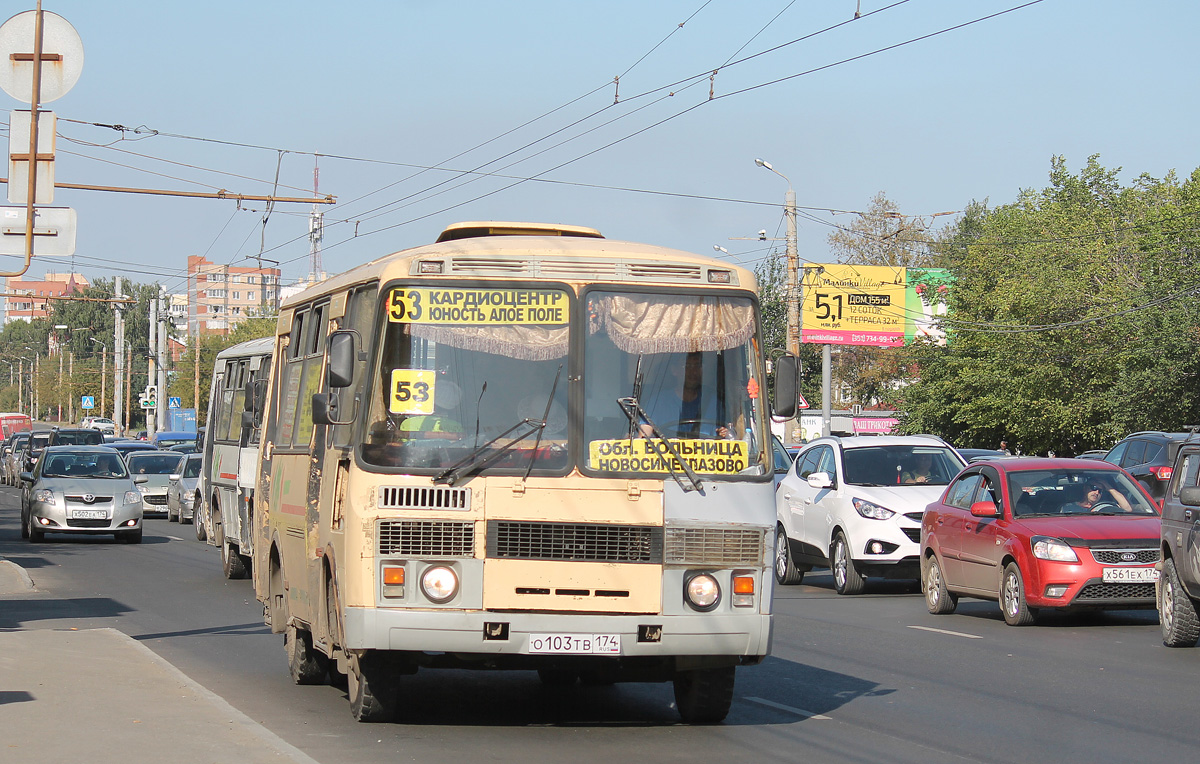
426, 538
574, 542
427, 497
725, 547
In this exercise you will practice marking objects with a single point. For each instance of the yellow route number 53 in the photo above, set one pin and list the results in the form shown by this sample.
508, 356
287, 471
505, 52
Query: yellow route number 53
412, 391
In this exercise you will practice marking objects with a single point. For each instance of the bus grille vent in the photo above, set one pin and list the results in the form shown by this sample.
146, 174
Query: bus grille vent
429, 497
426, 538
672, 271
726, 547
487, 265
574, 542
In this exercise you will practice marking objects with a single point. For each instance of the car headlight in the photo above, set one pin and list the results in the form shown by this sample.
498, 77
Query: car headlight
1047, 548
439, 583
871, 510
133, 497
702, 592
44, 495
142, 488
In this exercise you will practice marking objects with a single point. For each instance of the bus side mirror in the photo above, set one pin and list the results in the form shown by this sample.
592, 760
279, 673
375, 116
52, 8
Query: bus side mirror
325, 409
340, 372
787, 386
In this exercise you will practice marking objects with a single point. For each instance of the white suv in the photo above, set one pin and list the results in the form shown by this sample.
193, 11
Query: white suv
854, 505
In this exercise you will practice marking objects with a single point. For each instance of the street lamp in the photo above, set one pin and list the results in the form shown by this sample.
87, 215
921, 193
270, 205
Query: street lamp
35, 394
719, 248
103, 372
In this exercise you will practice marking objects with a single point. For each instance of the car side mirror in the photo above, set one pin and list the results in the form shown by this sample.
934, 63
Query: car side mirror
173, 478
1190, 496
984, 509
27, 477
820, 480
141, 479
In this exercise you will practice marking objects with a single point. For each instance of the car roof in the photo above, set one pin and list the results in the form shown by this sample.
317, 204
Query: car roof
153, 451
1020, 463
175, 434
874, 441
86, 449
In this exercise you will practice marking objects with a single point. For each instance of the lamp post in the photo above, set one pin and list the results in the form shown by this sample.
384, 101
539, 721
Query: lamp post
793, 301
21, 381
58, 345
36, 392
103, 372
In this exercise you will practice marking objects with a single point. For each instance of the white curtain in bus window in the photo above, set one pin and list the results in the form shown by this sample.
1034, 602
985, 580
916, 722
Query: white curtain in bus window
655, 323
527, 343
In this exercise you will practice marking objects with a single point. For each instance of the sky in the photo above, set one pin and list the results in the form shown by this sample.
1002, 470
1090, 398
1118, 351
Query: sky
639, 119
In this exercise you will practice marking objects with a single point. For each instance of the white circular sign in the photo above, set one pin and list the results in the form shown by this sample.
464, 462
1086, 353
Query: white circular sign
60, 42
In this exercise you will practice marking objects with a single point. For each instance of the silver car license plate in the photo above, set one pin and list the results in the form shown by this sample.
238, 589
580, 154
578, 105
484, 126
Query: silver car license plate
89, 514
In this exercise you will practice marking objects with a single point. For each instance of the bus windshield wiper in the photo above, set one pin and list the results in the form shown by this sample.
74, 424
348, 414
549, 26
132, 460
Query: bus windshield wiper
471, 462
636, 414
545, 418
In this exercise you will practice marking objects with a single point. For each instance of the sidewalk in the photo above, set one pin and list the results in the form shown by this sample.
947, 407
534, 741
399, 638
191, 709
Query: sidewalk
100, 696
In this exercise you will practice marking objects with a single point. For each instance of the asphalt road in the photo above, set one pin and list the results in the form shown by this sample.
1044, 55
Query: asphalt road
872, 678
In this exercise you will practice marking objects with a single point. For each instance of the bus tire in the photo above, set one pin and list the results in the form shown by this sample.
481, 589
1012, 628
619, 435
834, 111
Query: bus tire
371, 688
306, 664
703, 696
231, 561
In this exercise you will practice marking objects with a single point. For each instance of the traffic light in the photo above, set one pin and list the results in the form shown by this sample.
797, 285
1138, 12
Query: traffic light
149, 397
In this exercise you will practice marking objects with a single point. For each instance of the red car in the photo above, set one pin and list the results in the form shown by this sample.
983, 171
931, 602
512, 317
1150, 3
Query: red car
1040, 533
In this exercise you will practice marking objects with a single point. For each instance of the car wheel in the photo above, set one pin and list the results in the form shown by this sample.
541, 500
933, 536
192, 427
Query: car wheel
1176, 610
1012, 598
172, 517
846, 578
32, 533
703, 696
198, 521
371, 687
786, 572
938, 598
24, 528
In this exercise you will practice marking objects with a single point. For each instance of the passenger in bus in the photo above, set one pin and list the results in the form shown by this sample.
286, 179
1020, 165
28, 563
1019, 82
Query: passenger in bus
446, 397
680, 407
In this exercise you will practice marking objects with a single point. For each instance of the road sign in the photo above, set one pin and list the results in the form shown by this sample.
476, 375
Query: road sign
62, 56
20, 122
174, 402
803, 404
87, 402
53, 231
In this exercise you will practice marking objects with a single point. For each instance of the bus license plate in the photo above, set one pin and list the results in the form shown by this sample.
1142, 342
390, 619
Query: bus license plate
89, 514
1130, 575
575, 644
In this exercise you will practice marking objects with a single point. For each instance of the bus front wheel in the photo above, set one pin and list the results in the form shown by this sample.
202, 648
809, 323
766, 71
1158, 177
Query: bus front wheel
371, 687
306, 664
703, 696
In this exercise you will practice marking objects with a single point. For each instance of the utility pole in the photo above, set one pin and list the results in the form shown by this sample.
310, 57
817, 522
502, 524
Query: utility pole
163, 351
128, 382
119, 361
71, 388
152, 365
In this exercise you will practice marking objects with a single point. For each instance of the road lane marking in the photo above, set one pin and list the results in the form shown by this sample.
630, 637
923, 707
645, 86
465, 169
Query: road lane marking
944, 631
174, 538
789, 709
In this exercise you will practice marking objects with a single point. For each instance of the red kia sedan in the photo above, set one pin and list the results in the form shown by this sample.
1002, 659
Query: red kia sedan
1040, 533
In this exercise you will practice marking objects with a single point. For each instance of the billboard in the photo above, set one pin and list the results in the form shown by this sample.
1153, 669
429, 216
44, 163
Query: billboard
878, 306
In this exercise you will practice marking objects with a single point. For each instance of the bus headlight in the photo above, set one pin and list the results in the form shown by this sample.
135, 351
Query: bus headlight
702, 592
439, 584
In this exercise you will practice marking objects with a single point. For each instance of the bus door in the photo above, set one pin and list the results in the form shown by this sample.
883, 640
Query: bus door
293, 517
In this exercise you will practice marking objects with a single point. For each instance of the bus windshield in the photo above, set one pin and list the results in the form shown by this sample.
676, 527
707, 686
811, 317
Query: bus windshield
690, 364
467, 374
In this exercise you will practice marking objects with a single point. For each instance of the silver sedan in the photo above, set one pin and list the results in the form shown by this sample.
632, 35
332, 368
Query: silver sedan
81, 490
181, 490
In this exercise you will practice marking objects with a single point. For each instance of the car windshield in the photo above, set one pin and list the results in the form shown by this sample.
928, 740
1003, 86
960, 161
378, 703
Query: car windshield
169, 442
900, 465
39, 441
192, 468
86, 465
78, 438
153, 464
1075, 492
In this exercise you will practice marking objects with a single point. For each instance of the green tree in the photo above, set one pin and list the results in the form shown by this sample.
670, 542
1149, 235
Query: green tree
1073, 316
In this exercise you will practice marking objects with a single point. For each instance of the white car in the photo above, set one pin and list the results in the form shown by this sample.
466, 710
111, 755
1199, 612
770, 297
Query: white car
854, 505
103, 424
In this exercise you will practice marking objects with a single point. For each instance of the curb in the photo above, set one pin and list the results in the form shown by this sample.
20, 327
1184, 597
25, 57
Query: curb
19, 572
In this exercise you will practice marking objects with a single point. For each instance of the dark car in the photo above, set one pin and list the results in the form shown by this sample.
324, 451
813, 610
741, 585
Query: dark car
980, 454
1145, 456
1179, 590
75, 436
1038, 533
126, 447
165, 440
37, 441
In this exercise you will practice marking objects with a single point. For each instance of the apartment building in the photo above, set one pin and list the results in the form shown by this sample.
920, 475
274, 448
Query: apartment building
26, 299
223, 295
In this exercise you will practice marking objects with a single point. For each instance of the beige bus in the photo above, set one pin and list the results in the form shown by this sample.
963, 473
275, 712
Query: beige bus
521, 447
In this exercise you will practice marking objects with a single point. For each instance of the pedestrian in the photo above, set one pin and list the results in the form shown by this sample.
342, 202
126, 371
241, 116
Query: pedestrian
1004, 448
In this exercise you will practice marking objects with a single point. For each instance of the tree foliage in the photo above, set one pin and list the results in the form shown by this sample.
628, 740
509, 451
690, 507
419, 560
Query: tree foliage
1073, 318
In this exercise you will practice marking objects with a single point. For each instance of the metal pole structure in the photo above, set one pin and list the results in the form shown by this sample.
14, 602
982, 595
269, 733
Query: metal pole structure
35, 99
118, 361
103, 373
37, 389
128, 383
58, 336
71, 388
164, 356
826, 390
152, 365
20, 385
